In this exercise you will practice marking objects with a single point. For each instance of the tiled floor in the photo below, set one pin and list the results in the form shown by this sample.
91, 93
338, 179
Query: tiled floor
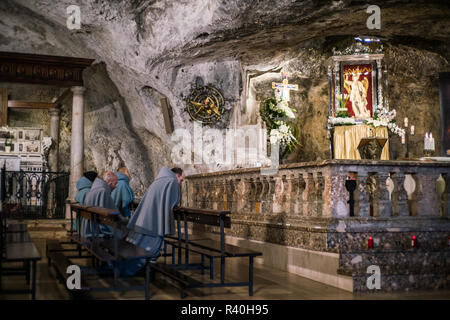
269, 284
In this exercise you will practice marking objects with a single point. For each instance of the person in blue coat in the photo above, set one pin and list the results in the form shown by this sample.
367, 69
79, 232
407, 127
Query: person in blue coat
84, 186
153, 218
123, 195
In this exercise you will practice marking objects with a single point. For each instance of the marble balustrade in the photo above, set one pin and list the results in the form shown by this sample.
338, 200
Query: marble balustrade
317, 189
304, 209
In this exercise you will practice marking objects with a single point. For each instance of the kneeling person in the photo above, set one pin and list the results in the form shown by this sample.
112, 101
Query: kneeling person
100, 196
153, 218
123, 195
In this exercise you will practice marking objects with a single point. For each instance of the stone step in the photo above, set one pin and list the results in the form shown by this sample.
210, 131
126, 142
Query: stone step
46, 229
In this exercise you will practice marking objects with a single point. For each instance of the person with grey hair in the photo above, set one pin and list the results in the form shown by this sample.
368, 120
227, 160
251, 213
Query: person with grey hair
100, 196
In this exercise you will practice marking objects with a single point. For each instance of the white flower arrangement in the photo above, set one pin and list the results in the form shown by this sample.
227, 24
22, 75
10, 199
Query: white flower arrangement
283, 106
341, 121
382, 117
277, 113
282, 135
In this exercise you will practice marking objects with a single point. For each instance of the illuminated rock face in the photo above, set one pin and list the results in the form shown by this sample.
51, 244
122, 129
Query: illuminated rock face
147, 50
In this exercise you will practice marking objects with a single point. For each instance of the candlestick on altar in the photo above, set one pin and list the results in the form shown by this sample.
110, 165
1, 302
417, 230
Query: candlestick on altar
403, 139
412, 130
406, 122
429, 146
432, 141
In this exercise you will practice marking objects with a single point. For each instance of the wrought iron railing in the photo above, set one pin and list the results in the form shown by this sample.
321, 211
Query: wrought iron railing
34, 195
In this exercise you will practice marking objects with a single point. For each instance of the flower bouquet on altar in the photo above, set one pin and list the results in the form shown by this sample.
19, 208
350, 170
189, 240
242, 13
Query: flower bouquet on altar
383, 117
342, 117
281, 128
342, 109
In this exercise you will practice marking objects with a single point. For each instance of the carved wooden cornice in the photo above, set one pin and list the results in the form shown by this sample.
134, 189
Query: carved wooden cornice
42, 69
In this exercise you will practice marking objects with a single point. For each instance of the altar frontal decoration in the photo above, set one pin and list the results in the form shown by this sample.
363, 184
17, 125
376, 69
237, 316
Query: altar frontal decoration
205, 104
279, 117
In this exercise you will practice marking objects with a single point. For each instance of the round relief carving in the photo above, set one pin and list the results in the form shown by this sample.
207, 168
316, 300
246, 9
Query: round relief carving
20, 69
4, 68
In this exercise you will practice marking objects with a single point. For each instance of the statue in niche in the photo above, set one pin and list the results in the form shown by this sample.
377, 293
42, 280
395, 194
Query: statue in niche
357, 90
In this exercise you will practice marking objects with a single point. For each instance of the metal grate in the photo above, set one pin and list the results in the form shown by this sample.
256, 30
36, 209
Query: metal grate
34, 195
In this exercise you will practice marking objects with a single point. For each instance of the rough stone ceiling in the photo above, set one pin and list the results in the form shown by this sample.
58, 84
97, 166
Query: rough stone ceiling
146, 50
149, 32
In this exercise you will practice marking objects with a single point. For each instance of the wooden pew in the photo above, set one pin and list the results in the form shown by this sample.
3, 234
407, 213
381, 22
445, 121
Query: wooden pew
205, 247
17, 246
112, 250
61, 262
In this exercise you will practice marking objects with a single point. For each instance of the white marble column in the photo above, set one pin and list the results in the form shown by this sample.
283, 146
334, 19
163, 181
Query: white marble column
54, 134
77, 147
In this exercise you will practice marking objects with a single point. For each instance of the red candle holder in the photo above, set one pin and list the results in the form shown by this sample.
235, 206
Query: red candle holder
414, 242
370, 243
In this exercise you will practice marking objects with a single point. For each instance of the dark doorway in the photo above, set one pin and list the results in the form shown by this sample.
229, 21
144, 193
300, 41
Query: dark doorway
444, 84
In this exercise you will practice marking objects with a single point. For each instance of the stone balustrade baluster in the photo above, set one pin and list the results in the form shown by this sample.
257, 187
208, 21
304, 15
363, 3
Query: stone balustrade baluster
258, 194
213, 194
186, 194
294, 191
237, 194
362, 194
399, 195
199, 196
223, 194
251, 195
232, 192
228, 190
382, 203
427, 196
446, 195
223, 205
192, 196
216, 194
339, 195
300, 194
243, 192
286, 196
305, 194
310, 195
265, 203
326, 194
278, 195
319, 185
271, 194
208, 191
203, 194
196, 194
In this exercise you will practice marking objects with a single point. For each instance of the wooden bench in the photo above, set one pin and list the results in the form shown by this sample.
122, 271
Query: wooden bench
205, 247
27, 253
183, 282
61, 262
17, 246
112, 250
